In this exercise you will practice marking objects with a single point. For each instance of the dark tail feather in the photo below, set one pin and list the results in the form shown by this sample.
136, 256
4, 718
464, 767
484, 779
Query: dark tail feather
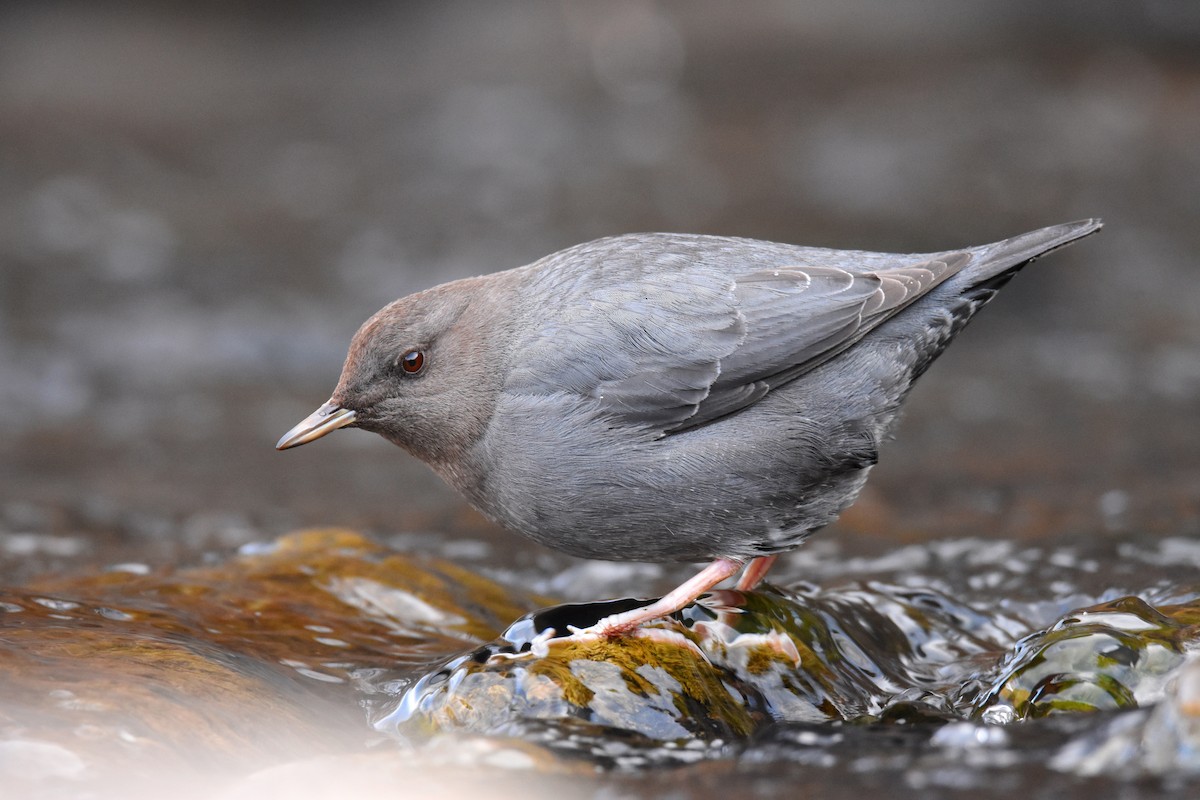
1017, 253
1007, 256
995, 266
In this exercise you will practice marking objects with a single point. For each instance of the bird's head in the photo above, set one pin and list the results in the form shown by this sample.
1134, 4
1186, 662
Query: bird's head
419, 373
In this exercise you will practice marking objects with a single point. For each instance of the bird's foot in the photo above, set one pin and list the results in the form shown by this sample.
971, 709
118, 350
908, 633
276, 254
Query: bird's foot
612, 627
656, 636
754, 573
617, 625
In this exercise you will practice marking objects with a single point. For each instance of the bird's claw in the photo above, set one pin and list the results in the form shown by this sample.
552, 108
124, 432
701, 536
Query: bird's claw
601, 632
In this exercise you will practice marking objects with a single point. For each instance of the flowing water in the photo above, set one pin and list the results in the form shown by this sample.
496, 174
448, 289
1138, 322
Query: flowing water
298, 663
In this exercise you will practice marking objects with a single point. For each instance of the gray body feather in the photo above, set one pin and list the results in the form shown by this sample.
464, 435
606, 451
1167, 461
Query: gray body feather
675, 397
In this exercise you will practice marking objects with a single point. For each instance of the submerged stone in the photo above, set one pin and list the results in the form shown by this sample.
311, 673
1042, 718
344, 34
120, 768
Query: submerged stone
1111, 656
1161, 740
263, 657
721, 669
290, 650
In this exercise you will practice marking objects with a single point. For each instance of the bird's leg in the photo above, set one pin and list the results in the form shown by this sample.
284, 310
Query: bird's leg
755, 571
672, 601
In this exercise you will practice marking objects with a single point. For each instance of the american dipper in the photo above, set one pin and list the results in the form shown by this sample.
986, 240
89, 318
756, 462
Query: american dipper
666, 397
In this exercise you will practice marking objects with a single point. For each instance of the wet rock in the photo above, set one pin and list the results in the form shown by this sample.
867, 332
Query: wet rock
1163, 740
288, 652
1115, 655
258, 659
717, 671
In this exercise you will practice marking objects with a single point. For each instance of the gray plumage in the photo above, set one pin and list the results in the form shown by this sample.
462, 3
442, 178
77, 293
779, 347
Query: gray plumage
666, 397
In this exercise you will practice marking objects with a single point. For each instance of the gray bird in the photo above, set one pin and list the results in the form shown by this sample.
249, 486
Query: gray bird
666, 397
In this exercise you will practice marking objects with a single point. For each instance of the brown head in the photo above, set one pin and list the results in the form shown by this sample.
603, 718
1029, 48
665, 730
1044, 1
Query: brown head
423, 373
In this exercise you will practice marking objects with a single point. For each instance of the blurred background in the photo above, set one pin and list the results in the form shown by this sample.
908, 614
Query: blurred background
200, 203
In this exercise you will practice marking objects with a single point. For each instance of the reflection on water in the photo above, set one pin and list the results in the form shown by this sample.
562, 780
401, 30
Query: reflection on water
324, 643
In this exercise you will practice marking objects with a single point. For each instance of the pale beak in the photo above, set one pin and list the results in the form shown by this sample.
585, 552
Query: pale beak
326, 419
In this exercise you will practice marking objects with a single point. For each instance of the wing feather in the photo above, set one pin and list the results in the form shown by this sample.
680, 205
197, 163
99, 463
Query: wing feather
676, 349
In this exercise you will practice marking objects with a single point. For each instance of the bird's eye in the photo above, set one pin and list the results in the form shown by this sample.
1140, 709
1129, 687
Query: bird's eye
412, 362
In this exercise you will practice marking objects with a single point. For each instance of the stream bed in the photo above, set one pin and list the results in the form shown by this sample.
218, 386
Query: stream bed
324, 659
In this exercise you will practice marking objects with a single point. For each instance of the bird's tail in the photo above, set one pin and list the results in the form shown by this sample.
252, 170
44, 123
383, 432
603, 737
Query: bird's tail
998, 261
992, 266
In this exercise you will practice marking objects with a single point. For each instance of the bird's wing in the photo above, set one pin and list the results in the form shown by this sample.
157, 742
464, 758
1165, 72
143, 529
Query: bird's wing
674, 350
799, 317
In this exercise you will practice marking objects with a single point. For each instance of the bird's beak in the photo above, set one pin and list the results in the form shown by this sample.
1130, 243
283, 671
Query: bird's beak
326, 419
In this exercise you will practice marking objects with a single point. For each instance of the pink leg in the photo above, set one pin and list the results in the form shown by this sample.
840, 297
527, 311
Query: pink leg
756, 570
677, 598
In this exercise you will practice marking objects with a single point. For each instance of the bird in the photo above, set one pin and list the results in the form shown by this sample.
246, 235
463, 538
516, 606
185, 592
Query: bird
664, 396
